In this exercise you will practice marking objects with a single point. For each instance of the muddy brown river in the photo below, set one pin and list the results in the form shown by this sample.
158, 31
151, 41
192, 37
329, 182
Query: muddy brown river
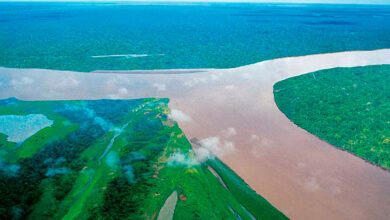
298, 173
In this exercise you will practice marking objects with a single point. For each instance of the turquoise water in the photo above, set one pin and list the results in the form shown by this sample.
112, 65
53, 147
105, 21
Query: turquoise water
86, 37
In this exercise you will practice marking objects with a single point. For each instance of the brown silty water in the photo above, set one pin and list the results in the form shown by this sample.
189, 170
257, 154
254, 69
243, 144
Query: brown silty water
302, 176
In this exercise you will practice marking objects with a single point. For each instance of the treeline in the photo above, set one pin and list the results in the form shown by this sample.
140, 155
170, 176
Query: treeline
347, 107
60, 160
124, 197
19, 193
113, 110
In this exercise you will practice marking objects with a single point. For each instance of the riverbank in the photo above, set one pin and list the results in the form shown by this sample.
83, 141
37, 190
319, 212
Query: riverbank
288, 166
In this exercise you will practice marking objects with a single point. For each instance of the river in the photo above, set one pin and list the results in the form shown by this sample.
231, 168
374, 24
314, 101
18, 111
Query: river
298, 173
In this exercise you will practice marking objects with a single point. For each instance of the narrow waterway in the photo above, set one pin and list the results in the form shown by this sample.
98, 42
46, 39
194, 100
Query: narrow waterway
117, 132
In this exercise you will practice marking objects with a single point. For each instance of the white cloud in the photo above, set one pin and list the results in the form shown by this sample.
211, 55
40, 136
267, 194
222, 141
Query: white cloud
202, 154
211, 143
213, 146
209, 148
180, 159
179, 116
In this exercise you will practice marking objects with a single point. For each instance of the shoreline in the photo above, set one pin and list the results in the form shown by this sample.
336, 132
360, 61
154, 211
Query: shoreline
285, 164
155, 71
190, 70
367, 161
338, 148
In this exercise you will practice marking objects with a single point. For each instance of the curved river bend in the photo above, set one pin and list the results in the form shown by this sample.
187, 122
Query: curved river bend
301, 175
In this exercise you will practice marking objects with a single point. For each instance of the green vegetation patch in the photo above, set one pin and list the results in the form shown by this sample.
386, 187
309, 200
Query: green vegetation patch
256, 205
347, 107
114, 159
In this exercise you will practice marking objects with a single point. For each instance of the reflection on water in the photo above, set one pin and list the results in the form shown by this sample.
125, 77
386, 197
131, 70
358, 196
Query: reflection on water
301, 175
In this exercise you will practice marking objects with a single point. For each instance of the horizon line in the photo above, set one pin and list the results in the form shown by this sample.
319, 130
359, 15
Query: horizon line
329, 2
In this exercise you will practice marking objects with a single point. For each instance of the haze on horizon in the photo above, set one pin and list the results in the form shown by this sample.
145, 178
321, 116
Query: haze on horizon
383, 2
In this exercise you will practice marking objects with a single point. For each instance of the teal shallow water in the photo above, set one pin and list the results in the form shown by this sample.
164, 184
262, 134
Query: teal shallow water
105, 36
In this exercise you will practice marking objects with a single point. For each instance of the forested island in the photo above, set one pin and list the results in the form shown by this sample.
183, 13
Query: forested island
347, 107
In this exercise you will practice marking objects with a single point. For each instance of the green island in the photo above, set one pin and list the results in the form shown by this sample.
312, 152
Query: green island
347, 107
113, 159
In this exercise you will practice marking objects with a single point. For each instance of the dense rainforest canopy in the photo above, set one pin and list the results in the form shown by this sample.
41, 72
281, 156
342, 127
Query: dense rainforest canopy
347, 107
113, 159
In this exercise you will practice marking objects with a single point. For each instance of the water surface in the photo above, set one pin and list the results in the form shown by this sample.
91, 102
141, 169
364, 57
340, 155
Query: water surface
302, 176
20, 127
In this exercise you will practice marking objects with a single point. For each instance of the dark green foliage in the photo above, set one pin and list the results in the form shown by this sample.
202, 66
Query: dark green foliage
113, 111
347, 107
63, 185
110, 168
124, 200
23, 191
8, 101
259, 207
124, 197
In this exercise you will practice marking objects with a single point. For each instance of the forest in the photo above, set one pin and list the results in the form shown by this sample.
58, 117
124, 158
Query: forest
347, 107
114, 159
